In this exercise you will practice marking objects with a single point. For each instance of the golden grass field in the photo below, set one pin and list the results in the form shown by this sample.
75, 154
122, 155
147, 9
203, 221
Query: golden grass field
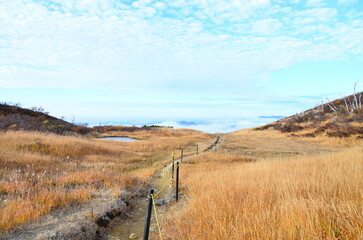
256, 185
265, 185
42, 171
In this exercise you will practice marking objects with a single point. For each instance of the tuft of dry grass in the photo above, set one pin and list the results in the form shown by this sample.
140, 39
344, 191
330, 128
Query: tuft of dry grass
301, 197
43, 171
209, 157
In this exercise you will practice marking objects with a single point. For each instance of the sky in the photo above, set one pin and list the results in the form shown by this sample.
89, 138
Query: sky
217, 63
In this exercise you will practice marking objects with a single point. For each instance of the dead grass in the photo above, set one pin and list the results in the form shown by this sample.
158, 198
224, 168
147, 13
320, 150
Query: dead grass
316, 141
40, 172
312, 196
209, 157
298, 188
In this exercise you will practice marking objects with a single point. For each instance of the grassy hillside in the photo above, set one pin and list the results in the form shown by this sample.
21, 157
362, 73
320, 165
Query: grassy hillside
339, 118
13, 117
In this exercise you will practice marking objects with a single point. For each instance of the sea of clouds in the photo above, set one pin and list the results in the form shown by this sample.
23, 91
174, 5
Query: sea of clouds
209, 126
219, 125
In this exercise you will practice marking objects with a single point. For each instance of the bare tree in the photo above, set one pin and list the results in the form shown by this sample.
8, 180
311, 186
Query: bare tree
351, 104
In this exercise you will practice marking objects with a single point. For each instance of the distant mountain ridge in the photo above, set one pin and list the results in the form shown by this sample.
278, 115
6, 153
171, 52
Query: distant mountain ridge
187, 123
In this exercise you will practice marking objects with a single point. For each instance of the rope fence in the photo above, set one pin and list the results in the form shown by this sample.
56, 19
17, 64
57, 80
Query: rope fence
168, 171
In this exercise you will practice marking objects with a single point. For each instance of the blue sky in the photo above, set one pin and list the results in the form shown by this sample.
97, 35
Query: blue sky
164, 60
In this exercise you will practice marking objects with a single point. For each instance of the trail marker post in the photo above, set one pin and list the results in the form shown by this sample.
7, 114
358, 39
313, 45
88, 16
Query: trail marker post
182, 151
177, 182
148, 215
197, 149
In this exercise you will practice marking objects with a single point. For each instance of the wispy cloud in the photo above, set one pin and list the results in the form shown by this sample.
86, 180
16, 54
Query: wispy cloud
347, 2
315, 3
109, 42
171, 47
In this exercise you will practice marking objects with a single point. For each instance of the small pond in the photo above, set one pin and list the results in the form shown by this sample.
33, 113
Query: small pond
122, 139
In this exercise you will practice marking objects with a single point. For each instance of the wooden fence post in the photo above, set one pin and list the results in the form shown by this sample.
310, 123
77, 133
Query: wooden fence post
148, 215
177, 182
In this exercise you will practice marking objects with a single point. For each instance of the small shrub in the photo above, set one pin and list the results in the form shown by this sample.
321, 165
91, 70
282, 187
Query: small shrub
291, 128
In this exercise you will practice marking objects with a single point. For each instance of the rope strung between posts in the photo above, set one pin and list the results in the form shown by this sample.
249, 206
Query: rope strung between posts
156, 215
161, 189
138, 189
153, 196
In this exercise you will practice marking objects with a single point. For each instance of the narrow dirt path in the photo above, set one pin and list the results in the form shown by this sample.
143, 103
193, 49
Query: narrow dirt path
122, 229
162, 181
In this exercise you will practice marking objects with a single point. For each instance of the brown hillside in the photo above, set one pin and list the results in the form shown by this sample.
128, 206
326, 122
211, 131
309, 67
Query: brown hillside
17, 118
339, 118
13, 117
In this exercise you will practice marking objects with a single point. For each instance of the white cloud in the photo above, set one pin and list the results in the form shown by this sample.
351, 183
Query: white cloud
220, 11
107, 43
266, 26
314, 29
346, 2
160, 5
286, 1
315, 3
319, 14
218, 125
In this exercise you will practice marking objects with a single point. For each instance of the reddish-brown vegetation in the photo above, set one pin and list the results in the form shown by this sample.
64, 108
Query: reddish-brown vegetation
339, 118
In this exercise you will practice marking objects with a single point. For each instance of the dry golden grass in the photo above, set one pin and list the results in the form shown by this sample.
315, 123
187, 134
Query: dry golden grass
274, 144
210, 157
318, 196
321, 140
39, 172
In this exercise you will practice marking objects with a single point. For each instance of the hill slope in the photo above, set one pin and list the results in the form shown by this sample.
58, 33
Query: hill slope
17, 118
339, 118
13, 117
